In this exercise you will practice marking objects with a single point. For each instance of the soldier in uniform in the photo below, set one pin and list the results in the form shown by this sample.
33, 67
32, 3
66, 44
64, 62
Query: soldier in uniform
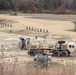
22, 44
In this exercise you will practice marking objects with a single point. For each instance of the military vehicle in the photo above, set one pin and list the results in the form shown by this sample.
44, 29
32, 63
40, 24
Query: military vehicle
63, 48
60, 48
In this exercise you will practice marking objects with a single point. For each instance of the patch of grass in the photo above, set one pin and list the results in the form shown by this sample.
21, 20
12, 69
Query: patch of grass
72, 30
14, 13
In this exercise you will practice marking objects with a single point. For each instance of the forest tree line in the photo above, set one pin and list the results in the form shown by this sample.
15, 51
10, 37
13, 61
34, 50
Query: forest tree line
38, 6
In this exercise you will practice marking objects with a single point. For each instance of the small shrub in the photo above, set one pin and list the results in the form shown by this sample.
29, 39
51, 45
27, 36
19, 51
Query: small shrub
70, 12
14, 13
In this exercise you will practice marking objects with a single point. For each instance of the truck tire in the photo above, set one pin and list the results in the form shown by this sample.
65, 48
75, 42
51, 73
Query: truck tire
31, 52
64, 53
56, 53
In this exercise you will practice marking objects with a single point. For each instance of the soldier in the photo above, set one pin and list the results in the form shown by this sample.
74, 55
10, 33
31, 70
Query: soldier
36, 36
22, 43
44, 61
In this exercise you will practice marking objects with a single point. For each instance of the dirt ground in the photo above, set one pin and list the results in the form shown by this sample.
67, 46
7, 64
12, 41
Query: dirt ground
53, 26
59, 27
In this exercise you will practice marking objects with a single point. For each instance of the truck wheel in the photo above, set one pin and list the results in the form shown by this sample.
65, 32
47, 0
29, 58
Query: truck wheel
31, 52
64, 53
56, 53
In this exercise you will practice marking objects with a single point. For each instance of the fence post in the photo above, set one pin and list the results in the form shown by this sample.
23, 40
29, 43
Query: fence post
26, 27
32, 28
46, 31
29, 28
40, 30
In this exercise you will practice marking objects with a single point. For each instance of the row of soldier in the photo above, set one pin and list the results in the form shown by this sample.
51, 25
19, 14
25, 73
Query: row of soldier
36, 29
5, 25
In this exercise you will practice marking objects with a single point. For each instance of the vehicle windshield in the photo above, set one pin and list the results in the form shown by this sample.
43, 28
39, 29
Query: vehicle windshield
72, 45
75, 45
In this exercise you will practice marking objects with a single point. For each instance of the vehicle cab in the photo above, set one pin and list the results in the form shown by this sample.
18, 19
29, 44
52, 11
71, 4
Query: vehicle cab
71, 46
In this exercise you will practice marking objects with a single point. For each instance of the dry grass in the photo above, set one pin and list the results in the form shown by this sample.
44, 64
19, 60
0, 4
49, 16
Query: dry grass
27, 68
17, 69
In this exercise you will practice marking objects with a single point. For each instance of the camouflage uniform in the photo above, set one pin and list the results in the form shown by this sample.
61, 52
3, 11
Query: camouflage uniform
22, 43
